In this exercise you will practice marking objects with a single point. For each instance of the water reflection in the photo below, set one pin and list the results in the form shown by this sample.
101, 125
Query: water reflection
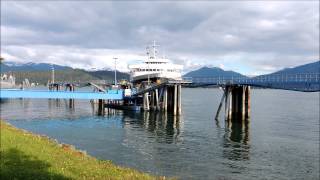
68, 105
237, 141
189, 148
163, 126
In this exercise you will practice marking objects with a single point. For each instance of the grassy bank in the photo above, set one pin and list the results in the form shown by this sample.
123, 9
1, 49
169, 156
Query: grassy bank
28, 156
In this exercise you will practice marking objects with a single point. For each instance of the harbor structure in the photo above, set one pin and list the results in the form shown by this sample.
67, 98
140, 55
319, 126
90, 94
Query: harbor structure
156, 85
7, 81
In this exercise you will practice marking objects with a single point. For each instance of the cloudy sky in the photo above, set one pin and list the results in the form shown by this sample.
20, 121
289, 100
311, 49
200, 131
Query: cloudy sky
251, 37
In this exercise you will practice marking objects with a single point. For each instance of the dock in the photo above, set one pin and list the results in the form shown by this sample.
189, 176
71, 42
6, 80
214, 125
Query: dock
17, 93
165, 95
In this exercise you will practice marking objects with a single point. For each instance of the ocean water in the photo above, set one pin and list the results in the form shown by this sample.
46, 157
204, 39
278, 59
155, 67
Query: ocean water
280, 140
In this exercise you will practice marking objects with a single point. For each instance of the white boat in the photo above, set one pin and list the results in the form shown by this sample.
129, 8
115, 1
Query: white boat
155, 68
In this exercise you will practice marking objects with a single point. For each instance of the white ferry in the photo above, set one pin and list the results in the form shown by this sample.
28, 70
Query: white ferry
155, 68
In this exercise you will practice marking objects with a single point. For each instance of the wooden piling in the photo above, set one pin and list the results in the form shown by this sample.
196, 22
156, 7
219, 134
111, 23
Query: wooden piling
226, 107
234, 104
179, 99
220, 105
230, 104
243, 99
157, 99
101, 107
146, 102
152, 103
170, 98
175, 100
237, 104
165, 99
247, 103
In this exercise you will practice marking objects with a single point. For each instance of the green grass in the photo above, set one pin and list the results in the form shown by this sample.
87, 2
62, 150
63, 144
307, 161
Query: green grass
28, 156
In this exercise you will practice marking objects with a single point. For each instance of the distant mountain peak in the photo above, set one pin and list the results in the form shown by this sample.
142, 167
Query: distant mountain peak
206, 71
313, 67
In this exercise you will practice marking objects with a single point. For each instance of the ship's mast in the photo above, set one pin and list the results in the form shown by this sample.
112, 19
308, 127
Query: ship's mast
154, 49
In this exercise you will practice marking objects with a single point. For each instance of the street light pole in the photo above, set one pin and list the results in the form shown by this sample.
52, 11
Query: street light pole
52, 74
115, 71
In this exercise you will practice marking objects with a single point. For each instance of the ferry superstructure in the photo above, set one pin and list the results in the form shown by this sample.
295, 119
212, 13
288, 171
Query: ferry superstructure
155, 68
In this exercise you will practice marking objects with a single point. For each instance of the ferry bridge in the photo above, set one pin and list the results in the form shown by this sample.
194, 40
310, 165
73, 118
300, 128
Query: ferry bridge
236, 96
167, 95
307, 82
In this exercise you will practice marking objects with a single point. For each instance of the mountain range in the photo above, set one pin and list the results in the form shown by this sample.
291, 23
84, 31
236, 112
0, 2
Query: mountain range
306, 68
313, 67
41, 72
212, 72
13, 67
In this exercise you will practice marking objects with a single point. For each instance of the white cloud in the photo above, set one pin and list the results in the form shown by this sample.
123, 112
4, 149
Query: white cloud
72, 56
246, 35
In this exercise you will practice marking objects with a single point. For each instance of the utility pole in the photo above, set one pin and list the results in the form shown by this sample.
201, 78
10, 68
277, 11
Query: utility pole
52, 74
115, 71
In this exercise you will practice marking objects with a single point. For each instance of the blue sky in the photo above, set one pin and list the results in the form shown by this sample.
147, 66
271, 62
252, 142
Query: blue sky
251, 37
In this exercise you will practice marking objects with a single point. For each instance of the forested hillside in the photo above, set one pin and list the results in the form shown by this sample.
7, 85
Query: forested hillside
41, 73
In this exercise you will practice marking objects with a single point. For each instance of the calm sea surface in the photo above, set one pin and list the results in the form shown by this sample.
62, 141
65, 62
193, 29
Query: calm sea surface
281, 141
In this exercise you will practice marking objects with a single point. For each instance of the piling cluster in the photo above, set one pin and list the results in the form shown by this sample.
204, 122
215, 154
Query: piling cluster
237, 102
163, 98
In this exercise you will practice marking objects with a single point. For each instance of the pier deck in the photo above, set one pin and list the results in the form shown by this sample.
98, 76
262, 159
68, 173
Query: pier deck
12, 93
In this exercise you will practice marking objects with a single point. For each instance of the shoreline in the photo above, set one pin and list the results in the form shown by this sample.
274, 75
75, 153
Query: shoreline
25, 155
